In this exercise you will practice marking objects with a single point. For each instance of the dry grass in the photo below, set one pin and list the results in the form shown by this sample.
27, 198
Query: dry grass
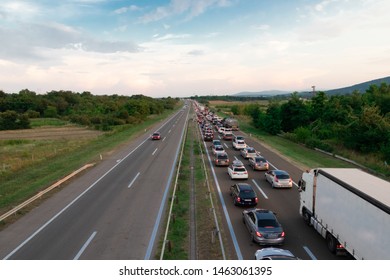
22, 148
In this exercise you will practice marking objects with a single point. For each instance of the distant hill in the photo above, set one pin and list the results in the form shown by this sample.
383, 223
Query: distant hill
362, 87
261, 93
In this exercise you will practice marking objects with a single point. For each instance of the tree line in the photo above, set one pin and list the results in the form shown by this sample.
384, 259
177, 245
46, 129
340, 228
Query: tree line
99, 111
358, 121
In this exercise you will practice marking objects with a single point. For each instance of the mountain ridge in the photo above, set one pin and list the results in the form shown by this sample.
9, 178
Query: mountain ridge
361, 87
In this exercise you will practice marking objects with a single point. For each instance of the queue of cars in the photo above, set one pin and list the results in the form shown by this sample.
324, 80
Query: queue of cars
262, 224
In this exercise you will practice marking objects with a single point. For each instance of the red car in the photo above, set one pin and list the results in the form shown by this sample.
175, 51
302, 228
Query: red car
156, 136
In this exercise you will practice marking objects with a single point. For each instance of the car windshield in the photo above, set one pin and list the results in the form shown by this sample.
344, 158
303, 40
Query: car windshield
267, 223
283, 176
247, 194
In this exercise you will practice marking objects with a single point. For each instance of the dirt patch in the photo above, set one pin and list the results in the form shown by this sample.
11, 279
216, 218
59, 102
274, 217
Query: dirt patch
49, 133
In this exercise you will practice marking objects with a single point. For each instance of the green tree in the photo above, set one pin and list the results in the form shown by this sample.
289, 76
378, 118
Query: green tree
294, 114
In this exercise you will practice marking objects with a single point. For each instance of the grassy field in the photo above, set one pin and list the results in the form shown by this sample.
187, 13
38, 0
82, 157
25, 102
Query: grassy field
29, 164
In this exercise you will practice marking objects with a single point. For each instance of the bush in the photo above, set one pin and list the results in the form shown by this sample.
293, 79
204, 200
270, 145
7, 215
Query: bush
302, 134
313, 142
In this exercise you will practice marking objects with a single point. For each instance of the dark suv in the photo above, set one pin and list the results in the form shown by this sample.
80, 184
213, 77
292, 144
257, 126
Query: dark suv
243, 195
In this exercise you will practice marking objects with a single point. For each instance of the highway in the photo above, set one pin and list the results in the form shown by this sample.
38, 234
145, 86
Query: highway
115, 210
111, 212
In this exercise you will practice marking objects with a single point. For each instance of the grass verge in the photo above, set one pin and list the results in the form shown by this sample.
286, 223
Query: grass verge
179, 230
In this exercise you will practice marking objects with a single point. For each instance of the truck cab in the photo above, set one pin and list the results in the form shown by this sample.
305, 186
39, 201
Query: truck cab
306, 189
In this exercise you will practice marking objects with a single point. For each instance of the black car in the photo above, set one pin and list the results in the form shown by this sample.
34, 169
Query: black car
243, 195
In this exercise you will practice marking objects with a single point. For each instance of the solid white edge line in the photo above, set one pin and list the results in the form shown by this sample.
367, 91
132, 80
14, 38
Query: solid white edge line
258, 187
309, 253
132, 182
85, 246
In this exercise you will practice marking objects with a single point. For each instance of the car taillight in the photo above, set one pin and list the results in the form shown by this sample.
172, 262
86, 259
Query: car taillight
258, 234
256, 199
276, 179
238, 199
283, 234
246, 172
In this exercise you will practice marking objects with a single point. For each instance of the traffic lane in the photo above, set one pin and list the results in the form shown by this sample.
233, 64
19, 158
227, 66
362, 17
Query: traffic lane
129, 233
64, 236
37, 253
287, 207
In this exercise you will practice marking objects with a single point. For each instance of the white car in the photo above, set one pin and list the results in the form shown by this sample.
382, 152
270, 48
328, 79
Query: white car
218, 149
237, 170
279, 179
221, 130
239, 143
248, 152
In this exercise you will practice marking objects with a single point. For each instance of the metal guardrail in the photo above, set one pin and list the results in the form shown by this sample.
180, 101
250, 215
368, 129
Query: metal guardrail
41, 193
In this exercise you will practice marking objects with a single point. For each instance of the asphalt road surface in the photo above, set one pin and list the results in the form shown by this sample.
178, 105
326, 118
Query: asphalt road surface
111, 212
303, 241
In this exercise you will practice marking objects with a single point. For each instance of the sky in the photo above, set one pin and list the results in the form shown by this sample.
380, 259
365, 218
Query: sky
182, 48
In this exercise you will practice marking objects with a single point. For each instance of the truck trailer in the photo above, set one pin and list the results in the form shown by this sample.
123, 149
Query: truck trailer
350, 208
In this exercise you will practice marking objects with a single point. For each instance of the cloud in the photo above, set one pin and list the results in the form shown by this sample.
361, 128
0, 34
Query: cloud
124, 10
24, 41
190, 8
196, 52
171, 37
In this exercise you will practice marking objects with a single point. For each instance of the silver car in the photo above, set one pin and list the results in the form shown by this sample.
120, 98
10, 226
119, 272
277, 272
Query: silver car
263, 226
272, 253
279, 179
258, 163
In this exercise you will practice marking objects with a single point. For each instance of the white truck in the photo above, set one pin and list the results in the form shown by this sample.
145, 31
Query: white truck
350, 209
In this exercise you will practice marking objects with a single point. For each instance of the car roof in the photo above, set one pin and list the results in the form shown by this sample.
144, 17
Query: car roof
238, 163
264, 214
260, 158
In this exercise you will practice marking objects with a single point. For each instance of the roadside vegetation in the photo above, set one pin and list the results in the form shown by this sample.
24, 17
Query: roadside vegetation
354, 126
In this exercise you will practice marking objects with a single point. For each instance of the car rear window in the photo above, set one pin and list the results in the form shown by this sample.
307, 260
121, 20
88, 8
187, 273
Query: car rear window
267, 223
283, 176
222, 157
239, 169
247, 194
